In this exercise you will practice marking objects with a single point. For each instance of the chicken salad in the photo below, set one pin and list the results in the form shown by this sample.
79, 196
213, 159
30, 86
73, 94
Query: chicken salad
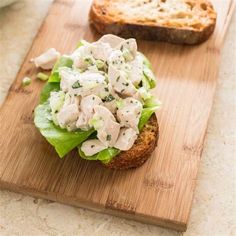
101, 91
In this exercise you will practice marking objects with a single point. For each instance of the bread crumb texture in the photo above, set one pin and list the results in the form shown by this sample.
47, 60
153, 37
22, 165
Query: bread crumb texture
181, 14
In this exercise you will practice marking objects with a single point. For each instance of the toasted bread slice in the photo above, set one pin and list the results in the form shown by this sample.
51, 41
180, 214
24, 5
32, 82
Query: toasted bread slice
141, 150
174, 21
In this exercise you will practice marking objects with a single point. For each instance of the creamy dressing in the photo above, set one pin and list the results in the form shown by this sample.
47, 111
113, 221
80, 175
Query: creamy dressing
47, 60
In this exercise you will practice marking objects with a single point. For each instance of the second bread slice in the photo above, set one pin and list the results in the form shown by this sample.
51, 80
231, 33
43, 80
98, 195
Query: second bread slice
174, 21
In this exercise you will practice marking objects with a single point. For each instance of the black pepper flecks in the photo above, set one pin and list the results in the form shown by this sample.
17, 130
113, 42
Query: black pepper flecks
108, 137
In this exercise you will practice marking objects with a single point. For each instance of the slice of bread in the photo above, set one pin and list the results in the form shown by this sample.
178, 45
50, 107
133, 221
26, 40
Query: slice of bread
141, 150
174, 21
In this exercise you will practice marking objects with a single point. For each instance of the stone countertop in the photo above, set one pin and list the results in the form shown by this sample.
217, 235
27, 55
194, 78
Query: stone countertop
214, 207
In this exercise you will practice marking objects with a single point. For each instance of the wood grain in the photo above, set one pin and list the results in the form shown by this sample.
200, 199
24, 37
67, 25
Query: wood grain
159, 192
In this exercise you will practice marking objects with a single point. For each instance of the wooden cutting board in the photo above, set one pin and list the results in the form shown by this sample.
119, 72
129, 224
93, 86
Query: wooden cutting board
161, 191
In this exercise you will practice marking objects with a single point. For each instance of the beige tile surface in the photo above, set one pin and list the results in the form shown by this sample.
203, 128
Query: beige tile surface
214, 208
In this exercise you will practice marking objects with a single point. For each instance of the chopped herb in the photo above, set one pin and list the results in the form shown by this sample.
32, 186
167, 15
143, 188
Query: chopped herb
139, 113
56, 111
108, 137
126, 84
122, 90
118, 78
121, 48
123, 133
76, 85
92, 146
93, 98
131, 101
106, 89
109, 98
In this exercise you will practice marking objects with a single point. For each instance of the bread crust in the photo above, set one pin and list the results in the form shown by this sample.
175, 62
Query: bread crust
104, 25
141, 150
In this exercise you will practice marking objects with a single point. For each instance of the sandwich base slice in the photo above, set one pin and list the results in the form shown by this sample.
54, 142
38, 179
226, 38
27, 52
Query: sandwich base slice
174, 21
141, 150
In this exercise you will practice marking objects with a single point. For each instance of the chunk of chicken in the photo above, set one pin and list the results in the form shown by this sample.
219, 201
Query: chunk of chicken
101, 50
47, 60
112, 39
82, 122
87, 111
71, 98
128, 46
67, 115
129, 113
126, 139
88, 103
136, 71
82, 57
89, 83
87, 55
68, 78
119, 82
108, 129
92, 146
116, 59
111, 106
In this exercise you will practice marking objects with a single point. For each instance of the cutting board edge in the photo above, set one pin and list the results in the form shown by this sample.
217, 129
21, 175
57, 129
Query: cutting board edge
166, 223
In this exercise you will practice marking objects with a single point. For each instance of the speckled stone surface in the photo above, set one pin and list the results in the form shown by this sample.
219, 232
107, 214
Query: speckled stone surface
214, 207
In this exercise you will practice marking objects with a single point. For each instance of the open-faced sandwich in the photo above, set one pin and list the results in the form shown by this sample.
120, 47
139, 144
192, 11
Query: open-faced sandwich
98, 100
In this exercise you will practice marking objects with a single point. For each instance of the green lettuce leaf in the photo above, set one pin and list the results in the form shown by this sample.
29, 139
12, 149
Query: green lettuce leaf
152, 102
150, 106
146, 62
149, 77
105, 156
62, 140
47, 89
145, 116
148, 80
61, 62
